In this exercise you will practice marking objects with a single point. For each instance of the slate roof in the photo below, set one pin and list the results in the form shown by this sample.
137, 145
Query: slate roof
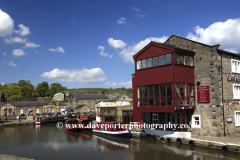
29, 103
82, 97
81, 106
62, 104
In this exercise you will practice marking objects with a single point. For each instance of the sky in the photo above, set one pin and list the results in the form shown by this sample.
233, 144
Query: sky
90, 43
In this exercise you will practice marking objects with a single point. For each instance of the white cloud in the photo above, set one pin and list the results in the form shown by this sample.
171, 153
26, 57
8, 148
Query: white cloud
139, 15
18, 52
135, 9
32, 45
127, 53
59, 49
111, 56
2, 83
6, 24
122, 84
28, 74
12, 40
4, 53
36, 52
116, 43
227, 34
102, 53
11, 64
121, 20
84, 76
23, 30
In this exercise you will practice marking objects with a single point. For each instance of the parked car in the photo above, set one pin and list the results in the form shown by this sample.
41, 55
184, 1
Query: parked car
58, 114
37, 115
22, 115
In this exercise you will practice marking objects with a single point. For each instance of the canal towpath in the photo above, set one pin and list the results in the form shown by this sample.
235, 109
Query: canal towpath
16, 122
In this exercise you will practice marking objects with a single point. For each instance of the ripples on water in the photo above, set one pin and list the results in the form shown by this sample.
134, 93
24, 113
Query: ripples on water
48, 142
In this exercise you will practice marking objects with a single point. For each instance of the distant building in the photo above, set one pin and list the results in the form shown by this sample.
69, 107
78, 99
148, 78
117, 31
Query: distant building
24, 107
89, 100
58, 97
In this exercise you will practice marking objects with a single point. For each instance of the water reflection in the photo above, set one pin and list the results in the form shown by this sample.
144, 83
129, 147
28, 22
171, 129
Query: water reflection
52, 143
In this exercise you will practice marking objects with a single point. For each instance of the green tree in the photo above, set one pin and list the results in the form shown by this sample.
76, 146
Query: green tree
55, 88
42, 88
22, 83
13, 90
14, 98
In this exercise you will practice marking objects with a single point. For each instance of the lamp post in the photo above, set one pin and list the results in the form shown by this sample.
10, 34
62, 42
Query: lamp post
7, 111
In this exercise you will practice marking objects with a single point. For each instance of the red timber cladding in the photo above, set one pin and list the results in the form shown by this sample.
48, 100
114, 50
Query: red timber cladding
183, 74
156, 75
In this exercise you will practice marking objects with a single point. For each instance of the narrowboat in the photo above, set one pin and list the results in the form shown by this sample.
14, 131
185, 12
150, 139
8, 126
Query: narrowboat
111, 129
78, 123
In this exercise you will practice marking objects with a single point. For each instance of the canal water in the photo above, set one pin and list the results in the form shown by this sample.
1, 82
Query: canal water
49, 142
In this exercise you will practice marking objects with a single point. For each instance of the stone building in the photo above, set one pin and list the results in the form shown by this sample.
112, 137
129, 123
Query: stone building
123, 97
119, 111
89, 100
82, 108
203, 82
25, 107
220, 70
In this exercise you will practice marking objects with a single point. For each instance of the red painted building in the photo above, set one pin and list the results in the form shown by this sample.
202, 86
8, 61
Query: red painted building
163, 84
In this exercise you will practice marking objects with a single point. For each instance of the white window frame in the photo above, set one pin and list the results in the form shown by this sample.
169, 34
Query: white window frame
52, 109
236, 92
21, 111
236, 118
175, 117
37, 110
193, 121
139, 64
237, 62
155, 118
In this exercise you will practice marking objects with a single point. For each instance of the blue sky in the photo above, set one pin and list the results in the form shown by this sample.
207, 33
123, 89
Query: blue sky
90, 43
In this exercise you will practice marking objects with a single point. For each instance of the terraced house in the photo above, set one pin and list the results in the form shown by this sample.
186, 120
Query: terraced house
25, 107
182, 81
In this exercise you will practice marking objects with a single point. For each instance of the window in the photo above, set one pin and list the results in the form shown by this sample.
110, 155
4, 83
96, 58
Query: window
175, 117
184, 94
196, 121
235, 66
155, 95
37, 110
185, 60
144, 63
155, 61
52, 110
161, 60
237, 118
176, 58
21, 111
139, 64
182, 59
168, 59
149, 62
10, 111
155, 119
236, 91
5, 111
29, 109
90, 104
190, 61
48, 110
61, 109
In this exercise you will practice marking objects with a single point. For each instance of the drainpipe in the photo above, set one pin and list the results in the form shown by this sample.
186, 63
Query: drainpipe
222, 99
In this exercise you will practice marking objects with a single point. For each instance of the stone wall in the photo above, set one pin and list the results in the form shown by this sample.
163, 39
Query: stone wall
207, 60
87, 102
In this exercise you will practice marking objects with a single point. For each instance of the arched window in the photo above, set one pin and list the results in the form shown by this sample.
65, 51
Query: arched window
52, 110
37, 110
21, 111
29, 109
10, 111
5, 111
48, 109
